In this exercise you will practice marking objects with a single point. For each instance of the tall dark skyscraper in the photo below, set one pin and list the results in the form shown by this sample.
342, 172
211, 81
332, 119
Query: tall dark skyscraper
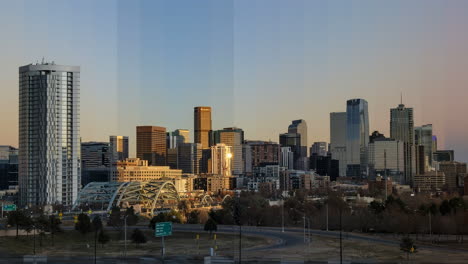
296, 138
423, 137
202, 126
8, 167
357, 137
402, 129
49, 134
95, 162
300, 127
292, 140
151, 145
189, 157
338, 140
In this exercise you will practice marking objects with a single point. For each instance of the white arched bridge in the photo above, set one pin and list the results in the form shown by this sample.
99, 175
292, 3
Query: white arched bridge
150, 196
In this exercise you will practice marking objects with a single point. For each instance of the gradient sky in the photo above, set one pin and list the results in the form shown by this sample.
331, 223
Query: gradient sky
258, 63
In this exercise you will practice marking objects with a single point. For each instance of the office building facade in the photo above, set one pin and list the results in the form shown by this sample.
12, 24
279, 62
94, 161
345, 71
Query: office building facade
357, 138
49, 134
264, 152
299, 127
293, 141
95, 162
319, 148
202, 126
454, 173
139, 170
386, 158
286, 158
338, 140
443, 155
118, 148
423, 137
233, 137
402, 129
189, 157
8, 167
151, 145
221, 157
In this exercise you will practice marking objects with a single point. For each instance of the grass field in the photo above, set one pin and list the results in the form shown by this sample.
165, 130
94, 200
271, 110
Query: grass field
72, 243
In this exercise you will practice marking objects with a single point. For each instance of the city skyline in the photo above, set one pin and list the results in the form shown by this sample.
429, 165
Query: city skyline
244, 83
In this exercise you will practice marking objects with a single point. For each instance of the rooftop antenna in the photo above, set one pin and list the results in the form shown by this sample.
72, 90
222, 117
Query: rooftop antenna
401, 97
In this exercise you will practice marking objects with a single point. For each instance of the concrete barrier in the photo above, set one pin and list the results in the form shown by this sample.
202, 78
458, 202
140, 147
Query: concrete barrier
217, 260
34, 259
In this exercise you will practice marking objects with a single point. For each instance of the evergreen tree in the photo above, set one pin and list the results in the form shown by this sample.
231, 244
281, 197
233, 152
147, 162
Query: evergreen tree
211, 226
138, 237
84, 224
103, 238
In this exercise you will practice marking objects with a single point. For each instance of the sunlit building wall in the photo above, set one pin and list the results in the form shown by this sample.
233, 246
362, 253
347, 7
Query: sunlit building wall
233, 137
221, 157
151, 144
136, 169
202, 126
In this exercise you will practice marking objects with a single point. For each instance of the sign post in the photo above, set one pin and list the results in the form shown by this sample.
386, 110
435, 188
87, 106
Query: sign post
163, 229
8, 208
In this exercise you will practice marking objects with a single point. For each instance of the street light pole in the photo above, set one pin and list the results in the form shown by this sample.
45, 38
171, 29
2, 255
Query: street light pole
240, 244
95, 242
125, 235
282, 204
327, 214
341, 240
430, 227
304, 231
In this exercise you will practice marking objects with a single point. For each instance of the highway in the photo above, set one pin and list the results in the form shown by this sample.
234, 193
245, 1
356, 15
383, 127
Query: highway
292, 236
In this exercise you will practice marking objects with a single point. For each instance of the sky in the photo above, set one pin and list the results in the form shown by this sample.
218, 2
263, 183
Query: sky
258, 63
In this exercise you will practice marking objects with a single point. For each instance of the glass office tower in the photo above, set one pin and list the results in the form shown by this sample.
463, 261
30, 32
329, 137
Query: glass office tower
402, 129
49, 134
357, 138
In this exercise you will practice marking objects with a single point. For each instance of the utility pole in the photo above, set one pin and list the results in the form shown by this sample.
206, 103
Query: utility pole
304, 228
385, 168
95, 242
341, 239
240, 244
282, 204
125, 235
430, 226
327, 215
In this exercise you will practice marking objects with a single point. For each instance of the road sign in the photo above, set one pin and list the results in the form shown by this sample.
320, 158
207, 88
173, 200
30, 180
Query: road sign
9, 207
163, 229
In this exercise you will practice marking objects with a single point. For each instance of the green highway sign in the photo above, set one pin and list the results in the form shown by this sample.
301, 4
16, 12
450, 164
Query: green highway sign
163, 229
9, 207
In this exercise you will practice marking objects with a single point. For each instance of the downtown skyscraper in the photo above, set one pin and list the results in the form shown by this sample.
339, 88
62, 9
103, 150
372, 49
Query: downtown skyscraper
49, 134
423, 138
233, 137
118, 148
402, 129
357, 138
296, 139
338, 140
202, 126
151, 145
